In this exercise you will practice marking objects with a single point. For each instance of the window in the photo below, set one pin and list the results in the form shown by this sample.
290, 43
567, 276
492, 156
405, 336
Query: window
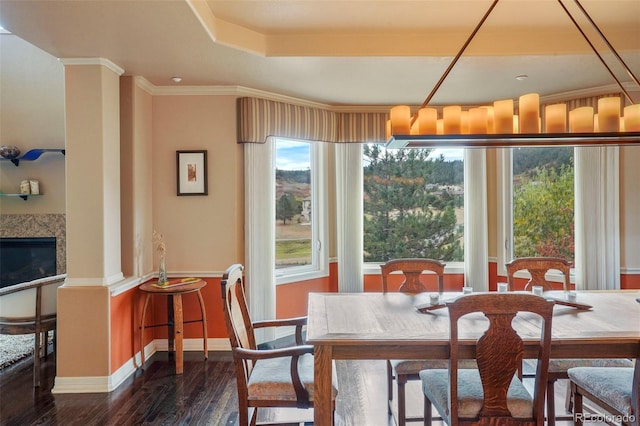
413, 203
543, 202
299, 210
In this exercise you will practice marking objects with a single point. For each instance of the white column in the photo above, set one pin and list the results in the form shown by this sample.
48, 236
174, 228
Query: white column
92, 98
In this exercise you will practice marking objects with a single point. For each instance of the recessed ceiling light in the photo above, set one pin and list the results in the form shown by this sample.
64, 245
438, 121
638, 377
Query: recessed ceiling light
522, 77
176, 79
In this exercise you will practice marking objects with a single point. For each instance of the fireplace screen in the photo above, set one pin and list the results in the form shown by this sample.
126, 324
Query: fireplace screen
26, 259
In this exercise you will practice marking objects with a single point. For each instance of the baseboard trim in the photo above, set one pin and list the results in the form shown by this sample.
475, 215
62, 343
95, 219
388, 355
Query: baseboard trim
105, 384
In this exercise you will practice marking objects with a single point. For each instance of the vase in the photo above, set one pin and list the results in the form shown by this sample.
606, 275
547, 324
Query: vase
162, 270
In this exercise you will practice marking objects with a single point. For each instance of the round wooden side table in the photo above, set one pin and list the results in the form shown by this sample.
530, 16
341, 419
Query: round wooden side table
175, 316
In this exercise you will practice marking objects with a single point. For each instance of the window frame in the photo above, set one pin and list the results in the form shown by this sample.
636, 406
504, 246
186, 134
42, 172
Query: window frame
505, 218
319, 266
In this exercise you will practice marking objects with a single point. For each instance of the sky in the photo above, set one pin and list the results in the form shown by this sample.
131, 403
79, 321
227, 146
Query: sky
292, 155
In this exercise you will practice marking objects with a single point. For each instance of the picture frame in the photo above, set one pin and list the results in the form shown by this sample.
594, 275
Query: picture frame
191, 172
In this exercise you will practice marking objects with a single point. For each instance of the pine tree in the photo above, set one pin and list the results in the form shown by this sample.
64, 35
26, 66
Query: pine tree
400, 198
286, 208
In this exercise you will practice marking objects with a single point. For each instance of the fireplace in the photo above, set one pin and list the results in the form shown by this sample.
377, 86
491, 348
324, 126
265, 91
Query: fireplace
26, 259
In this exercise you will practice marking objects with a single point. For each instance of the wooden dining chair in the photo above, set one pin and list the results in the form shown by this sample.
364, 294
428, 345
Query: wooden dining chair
265, 377
616, 390
492, 394
31, 308
414, 282
538, 267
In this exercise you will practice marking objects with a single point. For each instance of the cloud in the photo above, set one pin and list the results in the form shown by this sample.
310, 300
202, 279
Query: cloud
292, 155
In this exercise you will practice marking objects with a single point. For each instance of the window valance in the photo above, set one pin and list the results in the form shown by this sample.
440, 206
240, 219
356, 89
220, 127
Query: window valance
260, 118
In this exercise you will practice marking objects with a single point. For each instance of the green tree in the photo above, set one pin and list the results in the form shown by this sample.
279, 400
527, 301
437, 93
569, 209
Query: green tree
400, 219
286, 208
543, 214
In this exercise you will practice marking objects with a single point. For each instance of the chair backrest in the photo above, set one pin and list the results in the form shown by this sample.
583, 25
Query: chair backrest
412, 270
236, 316
538, 268
29, 307
499, 351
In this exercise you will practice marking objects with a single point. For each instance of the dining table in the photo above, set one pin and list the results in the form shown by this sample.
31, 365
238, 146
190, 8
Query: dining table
349, 326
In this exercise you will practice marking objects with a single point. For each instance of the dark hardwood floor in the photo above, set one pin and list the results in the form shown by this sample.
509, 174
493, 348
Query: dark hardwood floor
204, 395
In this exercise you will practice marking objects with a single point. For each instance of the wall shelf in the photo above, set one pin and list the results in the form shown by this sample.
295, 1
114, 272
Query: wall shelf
33, 155
23, 196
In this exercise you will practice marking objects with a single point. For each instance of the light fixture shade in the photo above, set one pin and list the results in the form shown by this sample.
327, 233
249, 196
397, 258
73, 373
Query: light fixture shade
529, 112
415, 128
609, 114
428, 118
478, 120
451, 119
400, 119
632, 118
581, 120
503, 116
464, 123
555, 118
490, 119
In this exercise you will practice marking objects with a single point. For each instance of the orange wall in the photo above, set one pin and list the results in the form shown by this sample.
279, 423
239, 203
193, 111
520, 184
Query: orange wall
629, 282
126, 312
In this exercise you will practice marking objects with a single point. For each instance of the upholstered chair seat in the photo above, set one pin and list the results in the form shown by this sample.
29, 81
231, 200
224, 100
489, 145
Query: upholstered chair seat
613, 386
271, 379
471, 395
615, 390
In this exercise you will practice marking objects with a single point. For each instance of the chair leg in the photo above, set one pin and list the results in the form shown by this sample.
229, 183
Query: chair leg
569, 400
551, 407
253, 416
577, 405
402, 409
427, 412
389, 385
36, 360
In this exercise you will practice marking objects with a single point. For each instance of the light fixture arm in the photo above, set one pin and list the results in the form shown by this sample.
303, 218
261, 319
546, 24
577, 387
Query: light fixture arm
626, 94
455, 59
609, 45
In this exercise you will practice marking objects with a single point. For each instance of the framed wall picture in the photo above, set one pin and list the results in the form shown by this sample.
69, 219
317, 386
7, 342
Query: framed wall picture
191, 172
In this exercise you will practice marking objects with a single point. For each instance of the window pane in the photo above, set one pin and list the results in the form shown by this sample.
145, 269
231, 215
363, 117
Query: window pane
293, 204
413, 203
543, 194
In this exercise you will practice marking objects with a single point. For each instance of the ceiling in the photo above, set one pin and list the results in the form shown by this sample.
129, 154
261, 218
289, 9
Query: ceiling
347, 52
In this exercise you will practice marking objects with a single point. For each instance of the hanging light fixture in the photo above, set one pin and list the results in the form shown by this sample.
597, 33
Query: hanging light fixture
496, 125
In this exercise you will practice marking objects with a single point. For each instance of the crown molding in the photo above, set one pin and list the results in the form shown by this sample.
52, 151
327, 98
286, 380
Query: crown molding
93, 61
144, 84
241, 91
